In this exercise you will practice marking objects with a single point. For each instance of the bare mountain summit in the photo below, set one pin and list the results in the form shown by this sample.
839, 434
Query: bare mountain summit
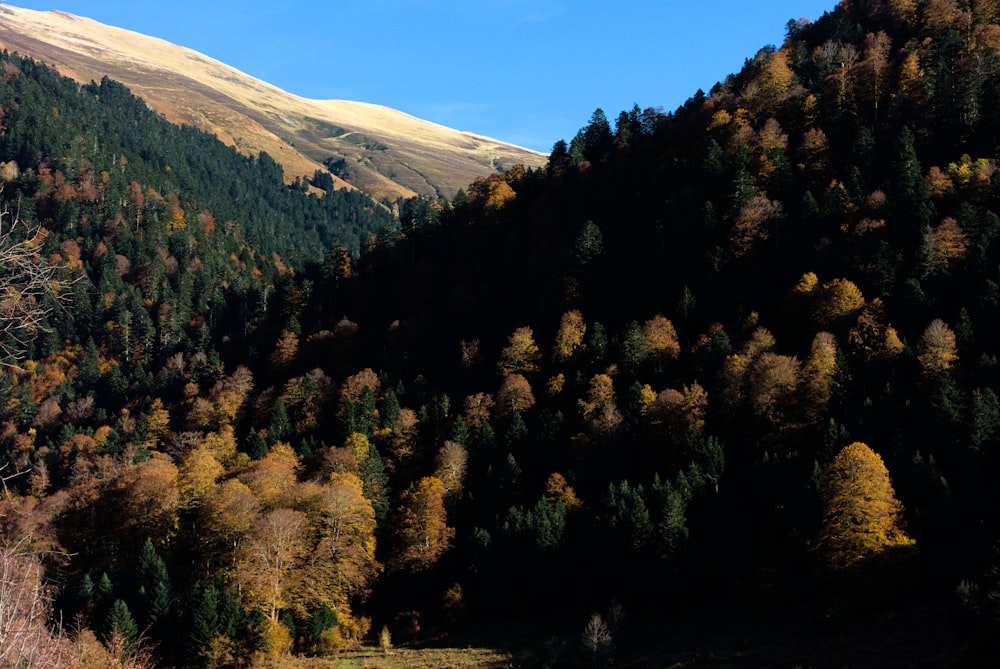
382, 151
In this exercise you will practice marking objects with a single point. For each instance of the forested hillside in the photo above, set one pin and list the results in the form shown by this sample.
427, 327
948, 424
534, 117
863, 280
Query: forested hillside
737, 361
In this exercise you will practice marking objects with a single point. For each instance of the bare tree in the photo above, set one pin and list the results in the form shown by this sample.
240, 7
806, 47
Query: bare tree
597, 640
25, 606
26, 280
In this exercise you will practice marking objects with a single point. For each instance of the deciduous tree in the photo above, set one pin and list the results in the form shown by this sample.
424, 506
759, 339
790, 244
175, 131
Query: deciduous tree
272, 553
423, 533
861, 516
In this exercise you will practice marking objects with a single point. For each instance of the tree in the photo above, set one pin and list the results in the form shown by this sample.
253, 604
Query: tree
271, 555
514, 395
343, 562
589, 244
272, 477
423, 533
521, 354
597, 639
598, 139
600, 409
937, 350
226, 516
30, 286
155, 591
835, 300
569, 337
819, 373
25, 605
120, 624
661, 339
862, 519
450, 464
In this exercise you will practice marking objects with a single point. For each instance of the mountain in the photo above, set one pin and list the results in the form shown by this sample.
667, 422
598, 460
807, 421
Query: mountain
717, 386
384, 152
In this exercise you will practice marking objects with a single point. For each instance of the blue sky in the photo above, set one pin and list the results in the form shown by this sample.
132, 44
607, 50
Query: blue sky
529, 72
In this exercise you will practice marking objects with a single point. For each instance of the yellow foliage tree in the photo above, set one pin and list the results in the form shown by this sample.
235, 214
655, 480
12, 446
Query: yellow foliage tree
199, 470
226, 516
423, 532
600, 409
861, 516
835, 300
273, 476
521, 354
818, 373
569, 337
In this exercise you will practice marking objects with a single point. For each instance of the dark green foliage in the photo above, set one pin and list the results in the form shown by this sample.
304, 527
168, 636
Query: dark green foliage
543, 525
625, 516
120, 624
155, 593
204, 622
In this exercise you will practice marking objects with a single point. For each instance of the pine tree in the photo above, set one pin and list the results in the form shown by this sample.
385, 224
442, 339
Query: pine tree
120, 624
155, 591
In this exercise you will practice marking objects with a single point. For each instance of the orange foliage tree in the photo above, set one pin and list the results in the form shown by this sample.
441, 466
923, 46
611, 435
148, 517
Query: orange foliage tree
423, 532
861, 516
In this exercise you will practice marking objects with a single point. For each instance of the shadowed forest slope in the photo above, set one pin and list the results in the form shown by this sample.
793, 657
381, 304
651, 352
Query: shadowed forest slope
737, 361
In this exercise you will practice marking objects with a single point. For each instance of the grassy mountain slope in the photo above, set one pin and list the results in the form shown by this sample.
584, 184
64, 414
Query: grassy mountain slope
386, 153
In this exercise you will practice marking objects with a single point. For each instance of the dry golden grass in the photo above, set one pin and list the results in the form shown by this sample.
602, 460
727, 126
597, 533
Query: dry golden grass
389, 153
403, 658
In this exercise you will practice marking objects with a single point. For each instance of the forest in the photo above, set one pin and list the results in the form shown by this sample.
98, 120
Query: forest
736, 360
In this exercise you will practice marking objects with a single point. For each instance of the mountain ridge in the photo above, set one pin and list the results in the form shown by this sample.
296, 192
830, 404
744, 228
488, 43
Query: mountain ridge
385, 152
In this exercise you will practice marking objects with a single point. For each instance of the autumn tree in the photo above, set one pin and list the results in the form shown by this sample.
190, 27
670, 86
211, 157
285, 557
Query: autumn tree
30, 285
872, 338
514, 395
285, 350
772, 387
755, 222
150, 498
862, 518
450, 465
600, 408
677, 413
354, 385
819, 373
569, 337
422, 533
342, 564
271, 477
273, 551
25, 606
661, 339
520, 355
226, 516
942, 247
835, 300
937, 350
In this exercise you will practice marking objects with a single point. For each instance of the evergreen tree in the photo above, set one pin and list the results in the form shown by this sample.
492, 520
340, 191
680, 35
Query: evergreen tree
120, 624
155, 592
